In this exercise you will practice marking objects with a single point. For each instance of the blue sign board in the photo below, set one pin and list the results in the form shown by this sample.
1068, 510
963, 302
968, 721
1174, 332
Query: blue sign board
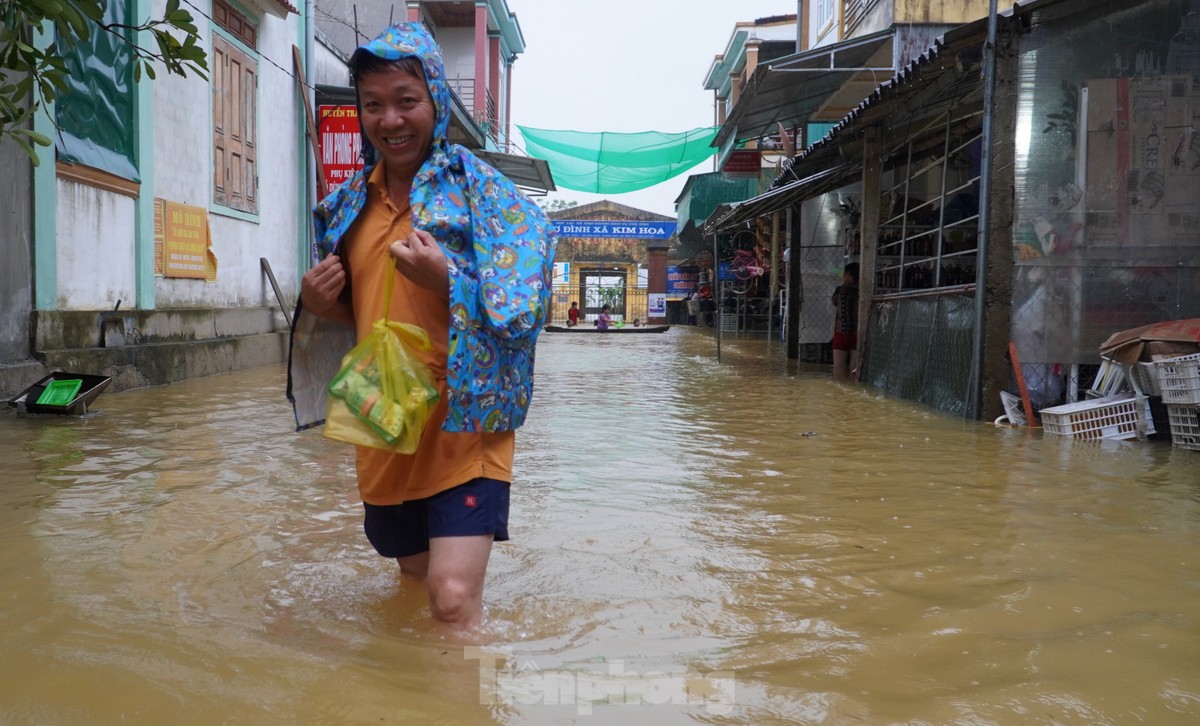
619, 229
680, 283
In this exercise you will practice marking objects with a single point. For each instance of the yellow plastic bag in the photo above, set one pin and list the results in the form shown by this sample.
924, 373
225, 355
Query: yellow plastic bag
383, 395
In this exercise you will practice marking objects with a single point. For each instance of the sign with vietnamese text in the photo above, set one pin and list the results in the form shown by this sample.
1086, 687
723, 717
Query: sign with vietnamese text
340, 140
743, 163
619, 229
680, 283
182, 243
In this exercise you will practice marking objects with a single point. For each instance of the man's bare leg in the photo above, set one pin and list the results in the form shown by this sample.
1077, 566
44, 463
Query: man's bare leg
416, 566
456, 570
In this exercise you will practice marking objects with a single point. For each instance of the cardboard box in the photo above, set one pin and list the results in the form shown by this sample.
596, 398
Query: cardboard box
1139, 160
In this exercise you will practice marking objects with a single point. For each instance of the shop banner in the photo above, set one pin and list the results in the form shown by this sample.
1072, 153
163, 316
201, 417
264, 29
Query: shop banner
614, 229
680, 283
341, 143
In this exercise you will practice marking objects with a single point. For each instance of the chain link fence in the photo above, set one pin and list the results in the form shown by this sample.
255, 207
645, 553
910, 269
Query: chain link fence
920, 349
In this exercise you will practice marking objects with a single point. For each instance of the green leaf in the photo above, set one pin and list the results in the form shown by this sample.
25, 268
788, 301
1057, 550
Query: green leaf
49, 8
94, 9
78, 24
33, 157
35, 137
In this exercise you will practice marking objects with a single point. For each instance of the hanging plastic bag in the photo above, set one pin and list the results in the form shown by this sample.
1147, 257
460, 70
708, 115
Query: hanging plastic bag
383, 394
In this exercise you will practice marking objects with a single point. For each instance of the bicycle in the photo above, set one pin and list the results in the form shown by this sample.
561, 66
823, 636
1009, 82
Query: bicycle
746, 267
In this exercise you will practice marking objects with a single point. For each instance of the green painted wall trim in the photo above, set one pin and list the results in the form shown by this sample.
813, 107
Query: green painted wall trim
143, 126
45, 207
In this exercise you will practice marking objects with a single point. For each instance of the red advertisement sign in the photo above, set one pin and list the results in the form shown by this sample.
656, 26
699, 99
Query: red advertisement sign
743, 163
340, 142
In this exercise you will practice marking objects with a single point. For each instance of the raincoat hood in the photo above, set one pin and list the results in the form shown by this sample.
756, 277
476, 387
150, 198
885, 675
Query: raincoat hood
412, 40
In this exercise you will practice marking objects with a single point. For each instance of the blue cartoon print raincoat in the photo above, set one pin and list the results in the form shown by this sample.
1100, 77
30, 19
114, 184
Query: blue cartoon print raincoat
500, 250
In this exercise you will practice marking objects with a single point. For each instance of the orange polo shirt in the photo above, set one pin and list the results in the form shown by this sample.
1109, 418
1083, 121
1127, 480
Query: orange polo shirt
443, 459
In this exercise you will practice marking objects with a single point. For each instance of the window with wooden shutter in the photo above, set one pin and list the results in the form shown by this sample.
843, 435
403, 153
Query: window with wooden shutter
234, 75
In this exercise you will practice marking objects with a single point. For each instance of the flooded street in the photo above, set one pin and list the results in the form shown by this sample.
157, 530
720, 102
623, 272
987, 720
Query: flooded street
740, 543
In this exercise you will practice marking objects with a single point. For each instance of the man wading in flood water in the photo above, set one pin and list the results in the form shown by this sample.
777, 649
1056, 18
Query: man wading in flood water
470, 258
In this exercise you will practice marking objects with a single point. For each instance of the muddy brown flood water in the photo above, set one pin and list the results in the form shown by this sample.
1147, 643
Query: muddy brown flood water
743, 543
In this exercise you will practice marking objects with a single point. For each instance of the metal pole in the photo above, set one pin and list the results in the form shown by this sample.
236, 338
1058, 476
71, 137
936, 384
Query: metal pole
985, 184
793, 289
716, 291
266, 267
774, 276
799, 25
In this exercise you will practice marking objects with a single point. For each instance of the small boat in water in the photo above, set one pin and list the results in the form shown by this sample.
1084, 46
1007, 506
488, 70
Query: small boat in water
50, 395
594, 329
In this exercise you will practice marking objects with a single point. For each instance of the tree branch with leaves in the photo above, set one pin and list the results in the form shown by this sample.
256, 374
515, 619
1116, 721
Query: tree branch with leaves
32, 77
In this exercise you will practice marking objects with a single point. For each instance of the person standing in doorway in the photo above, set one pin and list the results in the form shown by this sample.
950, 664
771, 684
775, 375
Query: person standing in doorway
845, 322
692, 301
432, 217
573, 315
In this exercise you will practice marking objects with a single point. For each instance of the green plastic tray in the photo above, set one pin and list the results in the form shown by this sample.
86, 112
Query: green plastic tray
60, 392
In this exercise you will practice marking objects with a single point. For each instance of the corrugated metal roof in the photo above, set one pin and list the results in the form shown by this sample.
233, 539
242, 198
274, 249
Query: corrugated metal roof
773, 94
704, 192
727, 216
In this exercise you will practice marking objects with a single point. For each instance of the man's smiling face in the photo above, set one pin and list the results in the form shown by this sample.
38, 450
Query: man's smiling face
398, 118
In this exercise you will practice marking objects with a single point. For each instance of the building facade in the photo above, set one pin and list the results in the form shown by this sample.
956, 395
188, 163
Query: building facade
1074, 224
165, 236
598, 270
780, 85
149, 221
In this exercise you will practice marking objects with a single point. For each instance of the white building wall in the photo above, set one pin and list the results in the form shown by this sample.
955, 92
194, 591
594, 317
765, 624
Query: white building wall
458, 51
97, 227
95, 248
183, 136
183, 169
328, 67
815, 37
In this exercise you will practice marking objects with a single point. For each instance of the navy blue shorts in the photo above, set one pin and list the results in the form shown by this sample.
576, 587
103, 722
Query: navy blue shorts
401, 530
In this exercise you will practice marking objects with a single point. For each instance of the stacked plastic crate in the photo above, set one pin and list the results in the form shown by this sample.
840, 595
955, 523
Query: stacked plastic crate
1123, 416
1179, 386
1116, 407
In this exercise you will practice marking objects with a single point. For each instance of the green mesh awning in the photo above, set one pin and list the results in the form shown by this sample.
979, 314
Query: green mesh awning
613, 163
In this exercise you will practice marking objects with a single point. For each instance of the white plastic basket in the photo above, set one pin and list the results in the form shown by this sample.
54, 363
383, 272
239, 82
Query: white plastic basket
1109, 381
1179, 379
1185, 426
1112, 417
1145, 377
1014, 409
